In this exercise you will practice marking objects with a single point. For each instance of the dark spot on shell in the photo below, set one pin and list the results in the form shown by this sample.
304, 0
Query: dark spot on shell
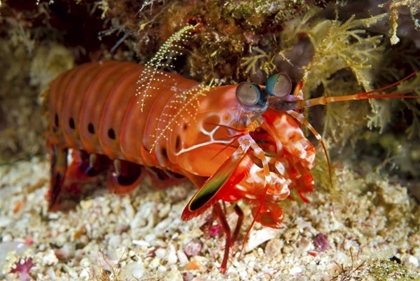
164, 153
91, 129
72, 124
111, 134
177, 143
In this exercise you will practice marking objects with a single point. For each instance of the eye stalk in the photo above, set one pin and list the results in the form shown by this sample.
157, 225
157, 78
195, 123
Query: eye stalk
250, 95
278, 85
255, 99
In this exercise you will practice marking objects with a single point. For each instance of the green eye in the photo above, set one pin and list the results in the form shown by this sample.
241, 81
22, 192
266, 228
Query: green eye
250, 95
279, 85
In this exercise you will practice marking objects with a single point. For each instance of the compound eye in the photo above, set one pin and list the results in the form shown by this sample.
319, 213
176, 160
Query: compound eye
279, 85
250, 95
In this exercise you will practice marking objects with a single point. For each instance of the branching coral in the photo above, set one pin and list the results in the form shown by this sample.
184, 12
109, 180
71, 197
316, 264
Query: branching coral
19, 25
255, 13
396, 6
414, 87
398, 61
261, 61
337, 46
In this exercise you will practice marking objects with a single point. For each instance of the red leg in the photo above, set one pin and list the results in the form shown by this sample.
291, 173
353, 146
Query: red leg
221, 216
240, 214
66, 179
124, 177
58, 158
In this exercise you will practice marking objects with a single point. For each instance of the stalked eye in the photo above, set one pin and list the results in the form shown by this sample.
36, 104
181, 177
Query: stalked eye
249, 94
279, 85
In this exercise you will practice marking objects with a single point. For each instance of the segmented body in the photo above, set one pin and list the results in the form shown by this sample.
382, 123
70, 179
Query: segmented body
233, 142
93, 108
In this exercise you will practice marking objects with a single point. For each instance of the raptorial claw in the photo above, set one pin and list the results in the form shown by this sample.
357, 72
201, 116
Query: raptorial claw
217, 187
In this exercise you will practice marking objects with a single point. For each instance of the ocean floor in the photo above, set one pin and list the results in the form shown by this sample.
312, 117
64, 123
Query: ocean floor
367, 229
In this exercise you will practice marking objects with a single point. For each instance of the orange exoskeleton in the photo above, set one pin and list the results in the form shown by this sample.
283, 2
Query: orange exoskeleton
236, 142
